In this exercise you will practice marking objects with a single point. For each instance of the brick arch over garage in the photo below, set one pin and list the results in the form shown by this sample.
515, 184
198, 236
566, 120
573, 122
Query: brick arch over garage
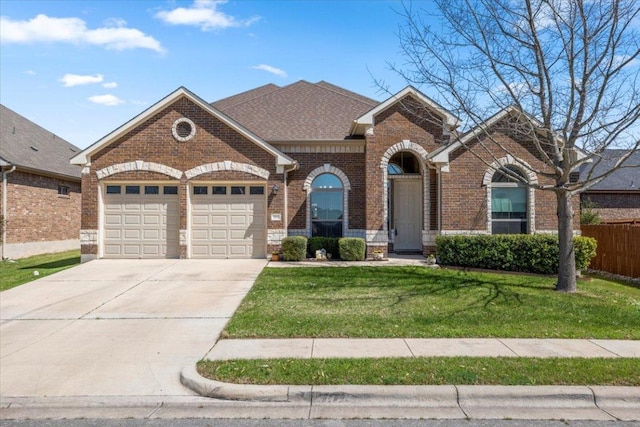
227, 165
139, 165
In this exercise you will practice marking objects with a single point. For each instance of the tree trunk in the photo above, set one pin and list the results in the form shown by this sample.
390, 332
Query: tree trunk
566, 253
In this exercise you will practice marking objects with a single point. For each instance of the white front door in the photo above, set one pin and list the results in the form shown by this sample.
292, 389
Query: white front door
407, 209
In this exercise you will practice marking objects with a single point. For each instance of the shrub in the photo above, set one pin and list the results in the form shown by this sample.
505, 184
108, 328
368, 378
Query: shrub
585, 250
588, 213
294, 248
523, 252
352, 249
330, 244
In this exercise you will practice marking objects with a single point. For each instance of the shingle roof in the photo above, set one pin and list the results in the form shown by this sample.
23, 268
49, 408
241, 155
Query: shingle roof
225, 103
624, 179
24, 143
301, 111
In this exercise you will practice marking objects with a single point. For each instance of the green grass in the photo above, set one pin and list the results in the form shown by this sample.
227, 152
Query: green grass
418, 302
21, 271
426, 371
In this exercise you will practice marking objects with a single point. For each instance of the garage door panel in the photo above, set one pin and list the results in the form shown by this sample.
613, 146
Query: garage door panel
141, 226
236, 225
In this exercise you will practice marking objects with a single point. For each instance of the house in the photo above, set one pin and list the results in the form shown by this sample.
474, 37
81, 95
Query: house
190, 179
617, 197
40, 192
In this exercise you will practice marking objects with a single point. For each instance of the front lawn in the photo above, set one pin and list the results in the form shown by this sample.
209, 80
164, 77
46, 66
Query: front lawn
22, 271
418, 302
426, 371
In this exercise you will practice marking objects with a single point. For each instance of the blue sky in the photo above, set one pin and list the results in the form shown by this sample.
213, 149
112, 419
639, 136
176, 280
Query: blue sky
82, 68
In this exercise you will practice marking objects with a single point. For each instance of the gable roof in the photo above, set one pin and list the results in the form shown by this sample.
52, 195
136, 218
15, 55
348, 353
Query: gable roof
301, 111
362, 122
623, 179
83, 157
441, 155
30, 146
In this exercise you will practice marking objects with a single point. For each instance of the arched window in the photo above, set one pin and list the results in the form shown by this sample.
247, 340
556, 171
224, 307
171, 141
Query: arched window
327, 206
403, 163
509, 202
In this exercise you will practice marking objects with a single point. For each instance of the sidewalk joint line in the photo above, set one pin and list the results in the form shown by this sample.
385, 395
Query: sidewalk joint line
604, 348
409, 347
313, 345
507, 347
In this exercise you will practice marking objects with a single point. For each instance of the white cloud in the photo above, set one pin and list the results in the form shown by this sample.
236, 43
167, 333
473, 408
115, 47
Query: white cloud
203, 14
110, 85
108, 100
620, 59
70, 80
30, 72
270, 69
74, 30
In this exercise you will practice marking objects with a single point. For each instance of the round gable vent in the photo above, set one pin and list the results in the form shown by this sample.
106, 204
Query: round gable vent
183, 129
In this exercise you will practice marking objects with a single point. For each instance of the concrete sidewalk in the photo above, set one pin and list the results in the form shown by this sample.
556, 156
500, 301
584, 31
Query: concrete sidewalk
310, 348
450, 401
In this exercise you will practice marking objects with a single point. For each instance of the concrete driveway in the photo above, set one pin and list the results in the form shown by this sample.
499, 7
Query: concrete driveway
117, 327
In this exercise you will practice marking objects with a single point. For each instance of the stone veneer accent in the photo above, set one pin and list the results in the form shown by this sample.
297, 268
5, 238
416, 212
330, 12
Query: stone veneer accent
275, 236
227, 165
139, 165
88, 237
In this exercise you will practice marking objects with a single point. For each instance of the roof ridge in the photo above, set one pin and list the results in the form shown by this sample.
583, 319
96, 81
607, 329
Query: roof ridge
345, 92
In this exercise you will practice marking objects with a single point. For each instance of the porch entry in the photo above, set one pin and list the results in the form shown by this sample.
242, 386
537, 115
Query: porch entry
407, 214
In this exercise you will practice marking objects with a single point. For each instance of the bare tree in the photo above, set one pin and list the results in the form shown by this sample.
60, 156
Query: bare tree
571, 67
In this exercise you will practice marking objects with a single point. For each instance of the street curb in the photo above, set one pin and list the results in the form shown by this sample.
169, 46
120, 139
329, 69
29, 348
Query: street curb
474, 401
190, 378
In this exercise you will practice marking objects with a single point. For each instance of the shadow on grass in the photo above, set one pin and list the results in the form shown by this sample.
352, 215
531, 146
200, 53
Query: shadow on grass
479, 289
67, 262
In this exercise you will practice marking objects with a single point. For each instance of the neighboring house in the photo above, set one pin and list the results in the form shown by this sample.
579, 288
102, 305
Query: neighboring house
617, 197
40, 192
190, 179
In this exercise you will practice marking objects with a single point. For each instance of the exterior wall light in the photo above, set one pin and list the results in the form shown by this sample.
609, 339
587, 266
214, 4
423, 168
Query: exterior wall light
275, 189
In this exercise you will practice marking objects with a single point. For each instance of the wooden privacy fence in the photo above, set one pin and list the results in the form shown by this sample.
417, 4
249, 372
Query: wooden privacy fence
618, 249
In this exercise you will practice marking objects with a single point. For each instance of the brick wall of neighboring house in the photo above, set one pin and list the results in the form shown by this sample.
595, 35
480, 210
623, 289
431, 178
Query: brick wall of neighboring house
153, 141
37, 213
614, 206
393, 126
351, 164
464, 197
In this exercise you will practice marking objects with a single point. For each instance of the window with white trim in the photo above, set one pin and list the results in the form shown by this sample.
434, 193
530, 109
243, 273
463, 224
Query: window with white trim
509, 202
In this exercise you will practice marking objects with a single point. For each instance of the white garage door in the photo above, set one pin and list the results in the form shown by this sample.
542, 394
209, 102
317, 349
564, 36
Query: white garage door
228, 221
141, 221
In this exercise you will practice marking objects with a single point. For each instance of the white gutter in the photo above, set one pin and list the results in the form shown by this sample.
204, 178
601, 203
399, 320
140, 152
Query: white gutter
4, 210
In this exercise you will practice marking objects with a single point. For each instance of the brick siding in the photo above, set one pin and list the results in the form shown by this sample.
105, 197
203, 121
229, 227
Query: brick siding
153, 141
35, 211
613, 206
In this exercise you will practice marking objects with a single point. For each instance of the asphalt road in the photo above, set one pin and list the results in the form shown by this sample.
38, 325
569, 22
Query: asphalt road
309, 423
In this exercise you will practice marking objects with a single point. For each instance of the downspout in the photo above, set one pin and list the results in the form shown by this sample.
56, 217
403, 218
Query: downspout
4, 210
